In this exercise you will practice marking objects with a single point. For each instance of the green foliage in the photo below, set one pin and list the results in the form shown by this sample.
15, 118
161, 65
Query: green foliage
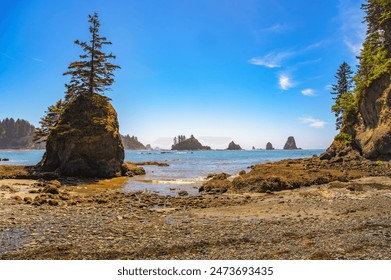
344, 138
344, 100
375, 57
49, 121
93, 73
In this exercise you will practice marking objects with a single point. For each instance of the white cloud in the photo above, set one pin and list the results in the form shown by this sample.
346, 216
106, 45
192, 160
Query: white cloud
277, 28
308, 92
285, 82
352, 27
271, 60
37, 59
313, 122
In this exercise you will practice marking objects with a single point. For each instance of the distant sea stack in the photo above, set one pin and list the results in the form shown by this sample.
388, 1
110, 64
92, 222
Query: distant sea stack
132, 143
290, 144
190, 144
17, 134
86, 141
269, 146
233, 147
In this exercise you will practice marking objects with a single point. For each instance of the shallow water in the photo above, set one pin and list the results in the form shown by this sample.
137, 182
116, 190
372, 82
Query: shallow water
186, 171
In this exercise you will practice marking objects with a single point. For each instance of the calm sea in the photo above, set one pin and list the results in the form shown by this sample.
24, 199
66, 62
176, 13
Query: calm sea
186, 171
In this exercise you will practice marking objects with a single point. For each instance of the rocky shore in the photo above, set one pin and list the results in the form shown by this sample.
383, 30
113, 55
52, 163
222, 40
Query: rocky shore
344, 215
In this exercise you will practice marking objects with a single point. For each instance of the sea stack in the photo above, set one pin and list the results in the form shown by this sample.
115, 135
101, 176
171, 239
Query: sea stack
233, 147
86, 141
290, 144
269, 146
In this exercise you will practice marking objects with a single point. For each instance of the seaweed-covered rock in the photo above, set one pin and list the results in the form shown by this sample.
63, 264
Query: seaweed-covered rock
86, 141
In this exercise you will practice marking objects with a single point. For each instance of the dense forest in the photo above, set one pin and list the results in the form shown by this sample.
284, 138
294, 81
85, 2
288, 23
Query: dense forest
131, 143
17, 134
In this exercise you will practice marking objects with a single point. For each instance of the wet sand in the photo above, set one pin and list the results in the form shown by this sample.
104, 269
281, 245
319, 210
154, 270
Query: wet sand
339, 219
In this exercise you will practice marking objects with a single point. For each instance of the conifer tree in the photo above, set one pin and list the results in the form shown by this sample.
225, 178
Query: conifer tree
93, 74
343, 92
49, 121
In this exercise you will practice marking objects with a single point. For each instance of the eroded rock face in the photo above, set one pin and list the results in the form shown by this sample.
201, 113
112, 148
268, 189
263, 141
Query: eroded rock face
290, 144
269, 146
232, 146
373, 131
86, 141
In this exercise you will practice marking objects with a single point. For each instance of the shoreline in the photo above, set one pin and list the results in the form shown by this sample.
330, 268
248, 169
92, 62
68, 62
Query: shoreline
349, 218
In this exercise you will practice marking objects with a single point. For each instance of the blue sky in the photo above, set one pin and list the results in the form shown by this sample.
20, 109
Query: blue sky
252, 71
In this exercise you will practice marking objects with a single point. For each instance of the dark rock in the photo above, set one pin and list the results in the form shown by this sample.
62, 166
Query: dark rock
183, 193
233, 147
86, 141
269, 146
218, 184
290, 144
4, 159
148, 147
242, 172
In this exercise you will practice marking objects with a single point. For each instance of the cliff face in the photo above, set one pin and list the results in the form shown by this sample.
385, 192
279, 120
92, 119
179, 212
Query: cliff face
191, 144
290, 144
86, 141
232, 146
373, 129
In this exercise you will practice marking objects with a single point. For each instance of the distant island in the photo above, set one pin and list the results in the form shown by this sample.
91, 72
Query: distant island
132, 143
17, 134
191, 144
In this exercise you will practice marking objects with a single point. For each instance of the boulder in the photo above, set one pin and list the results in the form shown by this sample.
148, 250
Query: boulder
290, 144
86, 141
232, 146
269, 146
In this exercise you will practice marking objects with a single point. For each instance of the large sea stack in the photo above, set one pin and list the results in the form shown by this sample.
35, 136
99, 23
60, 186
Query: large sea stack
269, 146
233, 147
290, 144
86, 141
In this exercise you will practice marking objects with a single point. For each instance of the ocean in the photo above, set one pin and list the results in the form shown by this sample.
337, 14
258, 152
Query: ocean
187, 169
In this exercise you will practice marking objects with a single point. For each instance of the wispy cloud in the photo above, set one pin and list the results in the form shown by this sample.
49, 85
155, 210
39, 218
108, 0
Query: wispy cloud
285, 82
277, 28
352, 28
312, 122
308, 92
7, 56
271, 60
37, 59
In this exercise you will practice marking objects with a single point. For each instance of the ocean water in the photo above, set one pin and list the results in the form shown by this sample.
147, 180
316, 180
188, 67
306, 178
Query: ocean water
186, 171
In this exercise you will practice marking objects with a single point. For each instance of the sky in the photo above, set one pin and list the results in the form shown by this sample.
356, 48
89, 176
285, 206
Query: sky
251, 71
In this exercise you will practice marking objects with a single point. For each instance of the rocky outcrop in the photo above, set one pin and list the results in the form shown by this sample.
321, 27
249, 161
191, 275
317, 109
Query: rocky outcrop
290, 144
17, 134
216, 184
132, 143
269, 146
191, 144
86, 141
233, 147
372, 133
148, 147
